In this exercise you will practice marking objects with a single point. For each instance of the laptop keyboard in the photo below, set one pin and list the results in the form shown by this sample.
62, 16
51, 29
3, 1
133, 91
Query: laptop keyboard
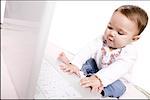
52, 85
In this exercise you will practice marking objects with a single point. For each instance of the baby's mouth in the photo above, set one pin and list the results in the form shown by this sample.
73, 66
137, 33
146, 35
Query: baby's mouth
106, 42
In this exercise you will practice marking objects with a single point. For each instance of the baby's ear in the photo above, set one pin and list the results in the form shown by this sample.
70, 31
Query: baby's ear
135, 38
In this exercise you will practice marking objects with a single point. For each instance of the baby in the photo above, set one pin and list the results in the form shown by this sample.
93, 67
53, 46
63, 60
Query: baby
108, 60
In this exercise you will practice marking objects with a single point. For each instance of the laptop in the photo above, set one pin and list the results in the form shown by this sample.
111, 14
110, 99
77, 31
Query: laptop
53, 83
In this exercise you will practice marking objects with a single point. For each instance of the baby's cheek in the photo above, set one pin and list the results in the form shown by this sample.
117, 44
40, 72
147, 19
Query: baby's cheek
118, 43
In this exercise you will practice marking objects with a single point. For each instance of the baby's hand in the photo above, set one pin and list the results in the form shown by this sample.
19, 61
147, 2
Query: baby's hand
62, 57
93, 82
70, 68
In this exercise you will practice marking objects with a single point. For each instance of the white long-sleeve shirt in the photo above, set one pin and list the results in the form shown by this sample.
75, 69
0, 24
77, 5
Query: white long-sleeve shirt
120, 69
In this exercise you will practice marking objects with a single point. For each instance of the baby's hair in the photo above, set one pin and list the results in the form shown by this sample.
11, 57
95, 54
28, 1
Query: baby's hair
135, 14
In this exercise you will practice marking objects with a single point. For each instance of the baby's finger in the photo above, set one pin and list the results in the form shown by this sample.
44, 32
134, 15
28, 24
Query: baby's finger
61, 54
62, 66
84, 80
78, 73
100, 89
86, 85
94, 89
67, 69
70, 72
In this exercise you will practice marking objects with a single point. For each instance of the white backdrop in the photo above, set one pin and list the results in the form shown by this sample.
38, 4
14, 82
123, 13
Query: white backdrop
77, 22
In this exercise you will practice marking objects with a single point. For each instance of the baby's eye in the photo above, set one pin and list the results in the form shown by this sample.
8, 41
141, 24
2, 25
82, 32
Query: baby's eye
109, 27
120, 33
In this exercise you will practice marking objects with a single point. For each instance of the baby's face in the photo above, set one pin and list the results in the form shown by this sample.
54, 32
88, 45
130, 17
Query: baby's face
120, 31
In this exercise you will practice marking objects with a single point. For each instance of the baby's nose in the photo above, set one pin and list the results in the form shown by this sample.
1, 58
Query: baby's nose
111, 36
112, 33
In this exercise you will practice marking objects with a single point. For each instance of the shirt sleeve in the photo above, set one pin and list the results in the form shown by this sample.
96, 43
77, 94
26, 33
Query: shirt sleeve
120, 67
86, 53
